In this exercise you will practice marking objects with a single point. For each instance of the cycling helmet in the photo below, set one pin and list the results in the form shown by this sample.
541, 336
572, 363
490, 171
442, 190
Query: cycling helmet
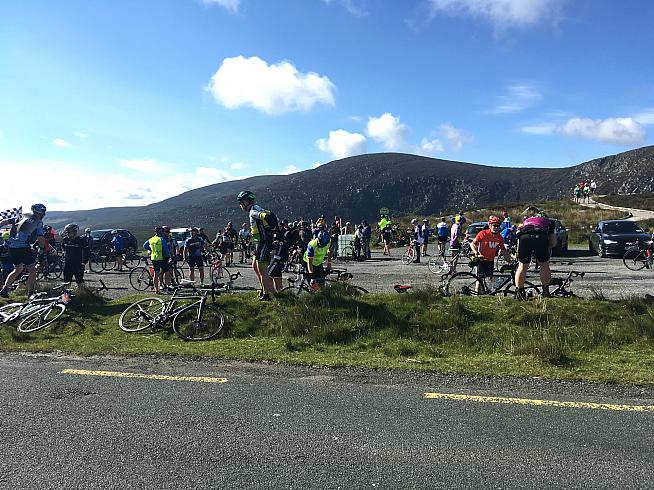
323, 238
414, 221
70, 227
6, 235
87, 230
166, 228
158, 229
493, 220
245, 196
38, 209
194, 229
114, 232
532, 210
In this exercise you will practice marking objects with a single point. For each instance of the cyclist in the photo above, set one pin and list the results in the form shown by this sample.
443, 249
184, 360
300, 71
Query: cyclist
233, 240
24, 232
417, 239
193, 247
263, 223
426, 231
5, 258
485, 247
318, 251
509, 235
118, 247
160, 257
171, 257
455, 234
443, 235
244, 237
535, 239
76, 254
282, 240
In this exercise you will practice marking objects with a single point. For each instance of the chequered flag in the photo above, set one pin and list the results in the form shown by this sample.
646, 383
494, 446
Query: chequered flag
11, 213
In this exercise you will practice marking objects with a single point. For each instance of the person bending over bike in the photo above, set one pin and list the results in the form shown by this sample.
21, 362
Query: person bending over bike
282, 240
318, 252
263, 223
159, 255
535, 239
23, 234
485, 247
118, 247
76, 254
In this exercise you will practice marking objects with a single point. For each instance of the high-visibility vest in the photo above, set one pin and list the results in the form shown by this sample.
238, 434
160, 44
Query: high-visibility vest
319, 253
156, 248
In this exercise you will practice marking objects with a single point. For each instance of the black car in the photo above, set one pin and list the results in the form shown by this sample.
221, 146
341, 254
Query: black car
561, 233
613, 237
474, 229
102, 239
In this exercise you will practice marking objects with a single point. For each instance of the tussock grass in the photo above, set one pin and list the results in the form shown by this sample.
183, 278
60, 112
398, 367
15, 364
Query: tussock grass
562, 339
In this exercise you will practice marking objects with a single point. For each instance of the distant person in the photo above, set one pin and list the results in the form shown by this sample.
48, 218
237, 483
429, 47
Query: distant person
5, 258
367, 236
535, 240
334, 233
358, 242
486, 246
577, 194
171, 256
118, 247
193, 248
24, 232
586, 193
593, 187
442, 235
426, 232
233, 238
455, 234
506, 222
244, 237
418, 239
387, 237
76, 254
89, 242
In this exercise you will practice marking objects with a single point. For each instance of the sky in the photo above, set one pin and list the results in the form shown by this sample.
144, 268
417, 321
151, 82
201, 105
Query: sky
126, 103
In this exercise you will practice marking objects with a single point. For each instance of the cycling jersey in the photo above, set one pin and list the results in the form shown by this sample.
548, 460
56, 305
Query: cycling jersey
76, 251
117, 243
442, 229
317, 252
157, 247
194, 246
260, 225
488, 244
536, 225
25, 231
455, 235
244, 236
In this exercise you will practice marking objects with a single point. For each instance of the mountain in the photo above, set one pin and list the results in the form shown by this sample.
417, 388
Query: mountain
357, 187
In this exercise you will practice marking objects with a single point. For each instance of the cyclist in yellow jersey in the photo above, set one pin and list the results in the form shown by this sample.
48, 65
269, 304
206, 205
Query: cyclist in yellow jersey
317, 253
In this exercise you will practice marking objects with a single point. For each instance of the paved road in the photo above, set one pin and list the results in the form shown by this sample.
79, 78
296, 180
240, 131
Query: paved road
281, 427
635, 214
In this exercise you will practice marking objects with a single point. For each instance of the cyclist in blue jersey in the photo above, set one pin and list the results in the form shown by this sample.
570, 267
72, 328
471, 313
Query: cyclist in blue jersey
118, 247
24, 232
443, 235
193, 247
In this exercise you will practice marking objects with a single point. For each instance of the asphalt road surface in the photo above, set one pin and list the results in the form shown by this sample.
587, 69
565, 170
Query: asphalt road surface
608, 277
158, 423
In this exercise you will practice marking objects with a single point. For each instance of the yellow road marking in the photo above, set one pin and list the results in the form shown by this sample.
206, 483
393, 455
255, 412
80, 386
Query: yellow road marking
117, 374
540, 403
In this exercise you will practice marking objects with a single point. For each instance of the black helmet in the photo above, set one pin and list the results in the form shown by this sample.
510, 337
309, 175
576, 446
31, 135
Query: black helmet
245, 196
38, 209
70, 227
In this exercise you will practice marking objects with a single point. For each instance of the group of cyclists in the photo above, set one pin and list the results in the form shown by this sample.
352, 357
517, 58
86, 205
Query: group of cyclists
583, 190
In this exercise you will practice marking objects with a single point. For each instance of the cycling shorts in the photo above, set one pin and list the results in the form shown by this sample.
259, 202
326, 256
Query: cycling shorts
262, 254
22, 256
533, 245
275, 268
443, 239
485, 268
195, 261
161, 265
318, 274
76, 270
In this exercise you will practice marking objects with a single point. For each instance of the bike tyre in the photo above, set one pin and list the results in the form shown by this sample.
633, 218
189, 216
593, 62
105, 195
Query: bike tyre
462, 283
41, 318
634, 260
10, 309
408, 256
187, 326
108, 262
145, 310
295, 290
140, 279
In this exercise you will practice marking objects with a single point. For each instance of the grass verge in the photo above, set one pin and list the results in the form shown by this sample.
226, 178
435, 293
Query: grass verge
575, 339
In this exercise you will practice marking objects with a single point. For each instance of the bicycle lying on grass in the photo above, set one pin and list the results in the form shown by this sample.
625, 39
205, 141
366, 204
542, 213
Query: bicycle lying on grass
301, 283
195, 321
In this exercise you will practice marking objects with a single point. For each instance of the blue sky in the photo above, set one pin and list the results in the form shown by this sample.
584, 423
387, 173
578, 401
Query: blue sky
131, 102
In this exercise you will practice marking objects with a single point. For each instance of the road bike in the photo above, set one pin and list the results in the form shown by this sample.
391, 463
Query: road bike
197, 320
301, 283
38, 312
441, 265
470, 284
636, 259
108, 261
142, 278
409, 254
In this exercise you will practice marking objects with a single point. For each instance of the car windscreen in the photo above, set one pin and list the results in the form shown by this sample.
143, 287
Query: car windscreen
621, 227
474, 229
97, 234
180, 236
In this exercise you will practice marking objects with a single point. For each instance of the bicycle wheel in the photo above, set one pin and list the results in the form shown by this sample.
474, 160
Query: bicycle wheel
140, 279
132, 261
438, 265
351, 289
407, 258
178, 275
199, 321
531, 290
108, 262
9, 310
41, 318
140, 315
347, 253
634, 260
464, 283
220, 274
295, 290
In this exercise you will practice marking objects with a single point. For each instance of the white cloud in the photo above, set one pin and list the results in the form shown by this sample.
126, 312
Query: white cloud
349, 5
616, 130
148, 165
238, 166
231, 5
518, 98
94, 189
539, 128
61, 143
80, 135
388, 130
645, 117
273, 89
455, 137
430, 147
290, 169
341, 144
501, 13
316, 165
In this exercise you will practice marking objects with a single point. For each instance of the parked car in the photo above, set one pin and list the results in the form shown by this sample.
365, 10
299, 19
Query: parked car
102, 239
561, 233
613, 237
180, 235
474, 228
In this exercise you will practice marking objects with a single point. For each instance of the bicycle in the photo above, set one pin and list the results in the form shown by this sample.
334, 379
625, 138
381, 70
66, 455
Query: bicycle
439, 264
301, 283
636, 259
469, 284
142, 278
561, 285
217, 271
39, 311
195, 321
409, 254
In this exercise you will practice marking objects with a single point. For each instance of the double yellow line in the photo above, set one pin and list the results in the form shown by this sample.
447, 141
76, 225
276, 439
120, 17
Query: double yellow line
540, 403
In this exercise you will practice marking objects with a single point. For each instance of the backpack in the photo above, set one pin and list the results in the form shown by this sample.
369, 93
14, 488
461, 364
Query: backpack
269, 220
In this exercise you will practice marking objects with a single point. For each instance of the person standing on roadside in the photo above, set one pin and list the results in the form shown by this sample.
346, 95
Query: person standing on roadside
426, 231
193, 248
89, 243
158, 248
263, 223
593, 187
417, 239
443, 235
367, 236
244, 237
76, 254
535, 239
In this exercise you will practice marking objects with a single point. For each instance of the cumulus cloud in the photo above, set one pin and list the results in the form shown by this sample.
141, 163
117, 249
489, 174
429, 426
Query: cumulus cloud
231, 5
273, 89
616, 130
518, 98
501, 13
455, 137
290, 169
146, 165
430, 147
388, 131
342, 144
61, 143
